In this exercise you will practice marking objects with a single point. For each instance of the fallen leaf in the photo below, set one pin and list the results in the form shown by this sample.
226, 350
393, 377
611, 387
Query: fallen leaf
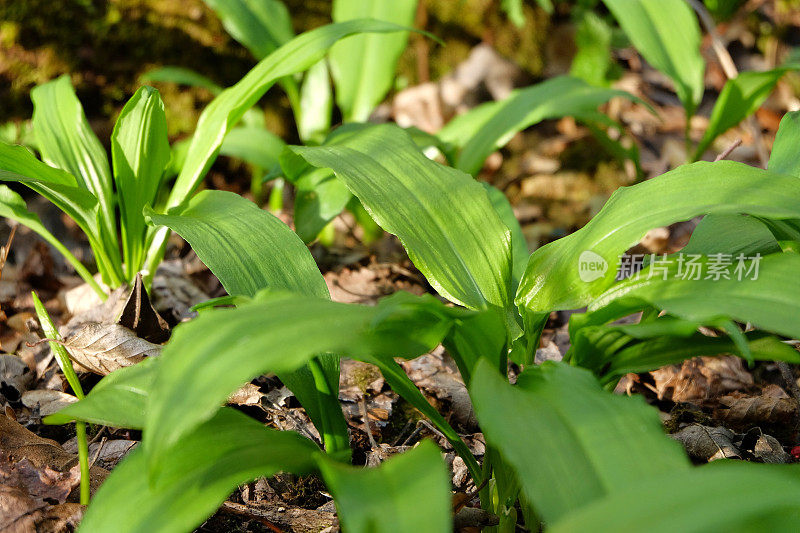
19, 443
139, 316
32, 498
706, 444
701, 378
764, 448
774, 414
247, 394
15, 377
47, 401
103, 348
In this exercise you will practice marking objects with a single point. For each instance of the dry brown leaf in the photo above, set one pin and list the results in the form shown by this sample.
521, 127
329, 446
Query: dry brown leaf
704, 443
103, 348
47, 401
701, 378
32, 498
247, 394
15, 377
139, 316
19, 443
769, 412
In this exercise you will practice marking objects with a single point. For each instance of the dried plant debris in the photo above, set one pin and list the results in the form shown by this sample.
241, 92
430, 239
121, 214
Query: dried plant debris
15, 378
139, 316
34, 498
701, 378
46, 402
706, 444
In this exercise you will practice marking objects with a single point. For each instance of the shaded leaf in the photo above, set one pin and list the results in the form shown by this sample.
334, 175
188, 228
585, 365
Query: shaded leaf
666, 33
181, 76
260, 25
784, 159
409, 492
254, 144
588, 443
740, 98
202, 471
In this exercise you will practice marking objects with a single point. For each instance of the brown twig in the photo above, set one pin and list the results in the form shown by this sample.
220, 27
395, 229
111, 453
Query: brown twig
729, 67
728, 150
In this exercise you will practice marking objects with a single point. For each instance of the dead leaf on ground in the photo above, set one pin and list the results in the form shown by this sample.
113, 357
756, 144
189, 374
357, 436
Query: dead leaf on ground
47, 401
764, 448
33, 498
173, 293
247, 394
701, 378
15, 377
103, 348
706, 444
774, 414
20, 443
139, 316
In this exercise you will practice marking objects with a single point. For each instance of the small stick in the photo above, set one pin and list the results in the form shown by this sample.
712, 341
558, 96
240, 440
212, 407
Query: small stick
7, 248
728, 150
365, 418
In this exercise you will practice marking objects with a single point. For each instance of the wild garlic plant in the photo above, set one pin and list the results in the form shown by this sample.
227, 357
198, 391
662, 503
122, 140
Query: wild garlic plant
562, 453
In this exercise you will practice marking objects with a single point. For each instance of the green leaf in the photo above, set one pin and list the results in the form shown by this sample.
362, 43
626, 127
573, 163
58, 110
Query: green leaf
723, 496
247, 248
740, 98
256, 145
731, 234
769, 297
13, 207
181, 76
119, 400
260, 25
140, 152
319, 198
67, 141
202, 470
666, 33
519, 246
728, 188
212, 355
228, 108
363, 66
784, 159
513, 9
442, 216
490, 126
409, 492
587, 443
316, 102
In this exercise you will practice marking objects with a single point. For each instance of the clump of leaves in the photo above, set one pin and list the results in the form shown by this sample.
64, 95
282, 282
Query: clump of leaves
561, 449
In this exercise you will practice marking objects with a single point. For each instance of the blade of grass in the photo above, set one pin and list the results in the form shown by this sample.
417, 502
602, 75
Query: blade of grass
62, 357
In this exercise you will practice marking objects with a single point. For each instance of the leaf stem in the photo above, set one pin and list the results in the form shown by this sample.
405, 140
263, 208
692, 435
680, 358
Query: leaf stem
62, 357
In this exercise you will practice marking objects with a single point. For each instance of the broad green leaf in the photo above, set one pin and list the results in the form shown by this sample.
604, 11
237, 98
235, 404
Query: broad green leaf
587, 443
765, 293
666, 33
247, 248
212, 355
316, 103
363, 66
728, 188
202, 470
740, 98
256, 145
442, 216
785, 158
490, 126
260, 25
723, 496
519, 246
119, 400
513, 9
139, 152
228, 108
409, 492
66, 141
18, 164
13, 207
181, 76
